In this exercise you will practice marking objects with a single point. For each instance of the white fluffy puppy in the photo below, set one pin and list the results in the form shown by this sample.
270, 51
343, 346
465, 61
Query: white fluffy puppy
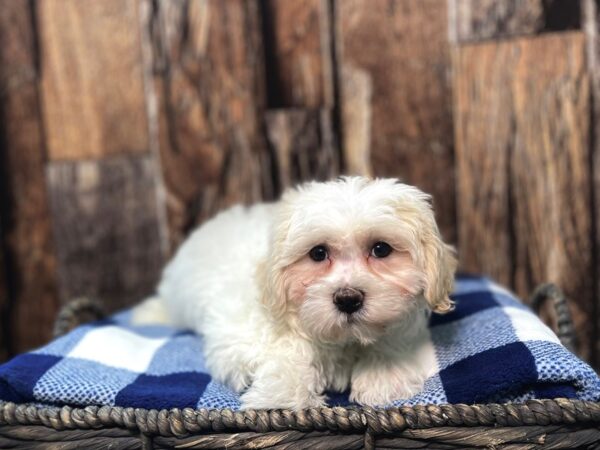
328, 288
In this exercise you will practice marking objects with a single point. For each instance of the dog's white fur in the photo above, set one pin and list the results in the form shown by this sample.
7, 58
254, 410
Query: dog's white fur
244, 281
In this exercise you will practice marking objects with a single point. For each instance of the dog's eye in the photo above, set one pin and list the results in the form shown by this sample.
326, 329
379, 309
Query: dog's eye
318, 253
381, 249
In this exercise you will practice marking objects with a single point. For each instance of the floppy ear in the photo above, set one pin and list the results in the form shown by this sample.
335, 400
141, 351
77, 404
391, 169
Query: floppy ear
436, 259
274, 291
439, 266
272, 272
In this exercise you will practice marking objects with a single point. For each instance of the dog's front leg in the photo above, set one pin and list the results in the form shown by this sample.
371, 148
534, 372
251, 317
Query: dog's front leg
390, 371
286, 377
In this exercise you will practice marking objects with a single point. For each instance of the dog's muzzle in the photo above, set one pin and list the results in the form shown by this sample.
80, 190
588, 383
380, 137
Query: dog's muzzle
348, 300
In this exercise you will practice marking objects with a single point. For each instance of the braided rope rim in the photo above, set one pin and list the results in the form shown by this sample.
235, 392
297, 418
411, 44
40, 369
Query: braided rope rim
182, 422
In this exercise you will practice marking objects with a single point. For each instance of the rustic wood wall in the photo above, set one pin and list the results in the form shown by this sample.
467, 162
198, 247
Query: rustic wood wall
125, 123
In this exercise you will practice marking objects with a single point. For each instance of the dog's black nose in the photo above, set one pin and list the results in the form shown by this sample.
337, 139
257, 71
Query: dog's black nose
348, 300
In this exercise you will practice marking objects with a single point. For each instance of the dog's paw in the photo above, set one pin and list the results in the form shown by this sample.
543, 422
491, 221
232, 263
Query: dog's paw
257, 399
235, 376
379, 387
238, 381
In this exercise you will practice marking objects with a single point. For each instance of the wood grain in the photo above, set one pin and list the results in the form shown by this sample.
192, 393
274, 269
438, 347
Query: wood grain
107, 235
478, 20
4, 302
401, 51
527, 99
356, 117
550, 174
303, 146
484, 134
28, 245
92, 79
209, 79
298, 53
591, 18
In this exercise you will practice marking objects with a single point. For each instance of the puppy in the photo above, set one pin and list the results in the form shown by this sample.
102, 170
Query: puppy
328, 289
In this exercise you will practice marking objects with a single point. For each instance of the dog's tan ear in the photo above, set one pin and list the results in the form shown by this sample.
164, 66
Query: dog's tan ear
274, 291
436, 259
439, 266
272, 272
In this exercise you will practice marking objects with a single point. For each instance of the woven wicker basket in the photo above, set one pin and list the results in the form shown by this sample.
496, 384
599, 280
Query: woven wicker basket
556, 424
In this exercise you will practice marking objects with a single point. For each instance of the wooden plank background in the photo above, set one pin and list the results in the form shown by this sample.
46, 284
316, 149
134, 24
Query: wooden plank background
522, 149
409, 109
126, 123
28, 245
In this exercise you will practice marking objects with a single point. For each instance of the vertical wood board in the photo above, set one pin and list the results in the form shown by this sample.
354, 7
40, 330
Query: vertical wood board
28, 247
522, 112
484, 135
92, 78
106, 229
550, 174
397, 54
4, 299
303, 146
298, 53
591, 19
209, 80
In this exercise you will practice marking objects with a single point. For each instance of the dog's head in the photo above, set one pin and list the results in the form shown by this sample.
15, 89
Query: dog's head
352, 257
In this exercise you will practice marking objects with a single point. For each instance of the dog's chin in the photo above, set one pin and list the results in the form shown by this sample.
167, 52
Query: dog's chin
343, 329
363, 334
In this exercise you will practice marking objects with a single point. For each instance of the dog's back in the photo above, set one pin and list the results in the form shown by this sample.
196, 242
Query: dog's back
215, 265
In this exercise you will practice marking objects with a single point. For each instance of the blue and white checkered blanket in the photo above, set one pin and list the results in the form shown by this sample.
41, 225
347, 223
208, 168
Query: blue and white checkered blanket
491, 348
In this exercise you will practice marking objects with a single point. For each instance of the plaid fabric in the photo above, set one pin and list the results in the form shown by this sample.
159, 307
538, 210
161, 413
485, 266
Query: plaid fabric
491, 348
